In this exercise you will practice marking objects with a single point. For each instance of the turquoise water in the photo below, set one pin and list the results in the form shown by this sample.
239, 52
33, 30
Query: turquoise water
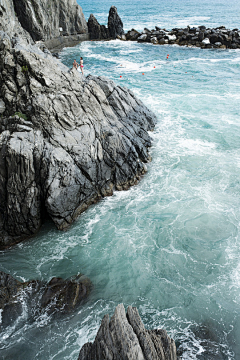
171, 244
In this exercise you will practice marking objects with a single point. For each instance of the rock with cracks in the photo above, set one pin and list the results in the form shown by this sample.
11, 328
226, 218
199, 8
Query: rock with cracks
58, 296
115, 25
125, 337
66, 141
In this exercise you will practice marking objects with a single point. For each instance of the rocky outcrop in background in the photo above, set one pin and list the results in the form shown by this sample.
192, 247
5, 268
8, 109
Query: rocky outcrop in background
125, 337
66, 141
101, 32
190, 36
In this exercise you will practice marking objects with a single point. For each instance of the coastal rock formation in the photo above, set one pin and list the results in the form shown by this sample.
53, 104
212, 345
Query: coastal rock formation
115, 25
65, 295
196, 36
66, 141
44, 18
58, 295
125, 337
97, 31
100, 32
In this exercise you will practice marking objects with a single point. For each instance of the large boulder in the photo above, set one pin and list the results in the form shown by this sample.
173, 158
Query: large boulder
125, 337
65, 140
115, 25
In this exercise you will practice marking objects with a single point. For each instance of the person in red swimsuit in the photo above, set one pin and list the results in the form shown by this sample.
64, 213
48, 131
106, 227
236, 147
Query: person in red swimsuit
81, 64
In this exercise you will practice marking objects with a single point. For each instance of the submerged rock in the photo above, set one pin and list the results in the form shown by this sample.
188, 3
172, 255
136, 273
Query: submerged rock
56, 296
125, 337
65, 295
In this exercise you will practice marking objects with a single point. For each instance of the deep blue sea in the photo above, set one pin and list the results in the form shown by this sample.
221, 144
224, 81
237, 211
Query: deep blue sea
171, 244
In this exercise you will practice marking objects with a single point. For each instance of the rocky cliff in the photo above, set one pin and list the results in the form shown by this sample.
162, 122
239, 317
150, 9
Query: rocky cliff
44, 18
125, 337
66, 140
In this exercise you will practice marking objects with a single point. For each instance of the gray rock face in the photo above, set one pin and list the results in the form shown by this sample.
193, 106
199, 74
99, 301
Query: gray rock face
66, 141
95, 30
9, 22
115, 25
125, 337
43, 18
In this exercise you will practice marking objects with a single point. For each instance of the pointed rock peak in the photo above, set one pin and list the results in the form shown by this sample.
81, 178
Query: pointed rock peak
115, 25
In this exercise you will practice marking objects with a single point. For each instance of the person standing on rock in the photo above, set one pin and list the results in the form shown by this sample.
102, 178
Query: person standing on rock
75, 64
81, 64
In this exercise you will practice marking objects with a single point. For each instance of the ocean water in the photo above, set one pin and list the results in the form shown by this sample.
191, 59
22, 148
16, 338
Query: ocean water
171, 244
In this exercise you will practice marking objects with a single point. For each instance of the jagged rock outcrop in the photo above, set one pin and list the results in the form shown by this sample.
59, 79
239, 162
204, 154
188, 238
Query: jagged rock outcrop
125, 337
115, 25
56, 296
200, 36
43, 18
97, 31
65, 142
100, 32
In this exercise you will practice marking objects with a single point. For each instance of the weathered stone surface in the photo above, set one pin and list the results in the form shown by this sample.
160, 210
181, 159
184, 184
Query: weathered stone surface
133, 35
200, 37
9, 287
65, 295
66, 141
9, 22
100, 32
125, 337
95, 30
56, 296
43, 19
142, 38
115, 25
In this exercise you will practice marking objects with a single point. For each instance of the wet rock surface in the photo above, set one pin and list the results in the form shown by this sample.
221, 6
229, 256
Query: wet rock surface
66, 140
58, 296
201, 36
125, 337
101, 32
